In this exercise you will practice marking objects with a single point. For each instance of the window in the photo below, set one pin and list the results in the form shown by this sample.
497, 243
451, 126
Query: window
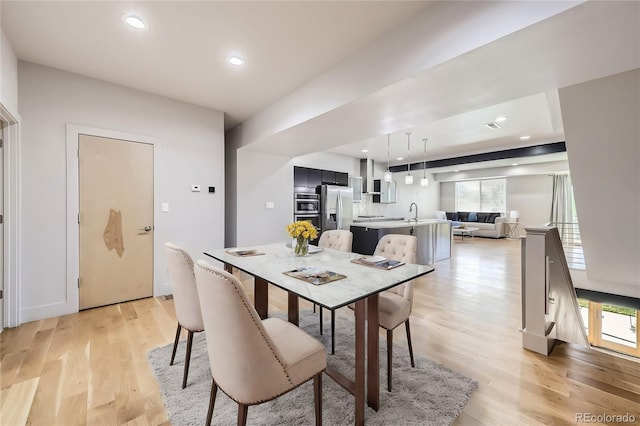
487, 195
611, 327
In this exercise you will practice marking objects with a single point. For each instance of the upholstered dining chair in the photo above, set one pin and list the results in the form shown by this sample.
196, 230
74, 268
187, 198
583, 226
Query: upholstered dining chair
394, 305
185, 299
251, 360
337, 239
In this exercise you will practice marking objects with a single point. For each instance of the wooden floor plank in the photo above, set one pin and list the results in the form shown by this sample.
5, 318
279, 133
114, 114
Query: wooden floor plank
92, 367
15, 409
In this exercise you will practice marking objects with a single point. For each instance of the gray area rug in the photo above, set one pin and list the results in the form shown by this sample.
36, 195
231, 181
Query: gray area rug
430, 394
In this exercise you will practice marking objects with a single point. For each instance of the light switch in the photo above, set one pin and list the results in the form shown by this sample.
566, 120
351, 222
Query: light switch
269, 205
165, 207
195, 188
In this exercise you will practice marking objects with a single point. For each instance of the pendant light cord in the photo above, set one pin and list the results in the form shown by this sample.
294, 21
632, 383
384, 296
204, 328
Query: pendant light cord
424, 167
408, 153
387, 152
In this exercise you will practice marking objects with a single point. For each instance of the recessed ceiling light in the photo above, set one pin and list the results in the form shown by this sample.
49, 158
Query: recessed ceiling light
525, 138
501, 118
365, 150
235, 60
493, 125
514, 164
134, 21
400, 158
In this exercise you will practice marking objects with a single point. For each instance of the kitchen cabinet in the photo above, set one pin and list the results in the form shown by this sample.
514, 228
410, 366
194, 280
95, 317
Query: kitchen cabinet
300, 176
434, 237
342, 179
328, 177
306, 177
356, 184
314, 177
387, 191
366, 239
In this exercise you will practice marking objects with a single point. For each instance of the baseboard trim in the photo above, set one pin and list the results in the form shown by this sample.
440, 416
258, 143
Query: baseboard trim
46, 311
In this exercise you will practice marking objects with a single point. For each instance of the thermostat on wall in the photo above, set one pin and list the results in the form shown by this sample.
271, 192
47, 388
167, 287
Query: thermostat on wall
195, 188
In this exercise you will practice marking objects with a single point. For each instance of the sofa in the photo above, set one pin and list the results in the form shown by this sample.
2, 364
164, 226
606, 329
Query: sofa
490, 225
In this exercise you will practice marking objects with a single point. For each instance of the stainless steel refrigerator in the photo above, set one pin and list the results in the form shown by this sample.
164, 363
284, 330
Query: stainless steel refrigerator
336, 207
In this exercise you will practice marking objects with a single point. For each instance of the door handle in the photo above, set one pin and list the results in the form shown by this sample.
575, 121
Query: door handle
146, 228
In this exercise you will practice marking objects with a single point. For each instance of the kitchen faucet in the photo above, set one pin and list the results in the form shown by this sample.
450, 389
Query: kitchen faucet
411, 209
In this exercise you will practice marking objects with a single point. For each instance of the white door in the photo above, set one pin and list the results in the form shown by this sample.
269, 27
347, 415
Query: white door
116, 220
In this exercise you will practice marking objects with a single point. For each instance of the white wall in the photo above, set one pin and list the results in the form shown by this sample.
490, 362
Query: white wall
265, 178
8, 75
447, 196
602, 128
531, 197
191, 152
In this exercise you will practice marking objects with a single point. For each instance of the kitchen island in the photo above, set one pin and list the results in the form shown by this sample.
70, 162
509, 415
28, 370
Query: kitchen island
434, 237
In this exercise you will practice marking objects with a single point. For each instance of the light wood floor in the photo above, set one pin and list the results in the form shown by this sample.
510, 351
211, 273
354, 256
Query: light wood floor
91, 367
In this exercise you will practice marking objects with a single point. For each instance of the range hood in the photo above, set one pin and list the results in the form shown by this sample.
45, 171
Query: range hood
366, 171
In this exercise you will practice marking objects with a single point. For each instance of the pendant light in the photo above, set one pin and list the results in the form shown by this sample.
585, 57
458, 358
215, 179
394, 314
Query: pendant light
425, 180
387, 174
408, 179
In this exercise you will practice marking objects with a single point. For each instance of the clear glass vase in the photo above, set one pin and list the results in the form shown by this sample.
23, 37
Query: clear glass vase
302, 246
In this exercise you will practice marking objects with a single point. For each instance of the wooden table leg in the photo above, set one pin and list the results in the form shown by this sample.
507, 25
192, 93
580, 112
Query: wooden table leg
293, 309
261, 297
360, 361
373, 353
228, 268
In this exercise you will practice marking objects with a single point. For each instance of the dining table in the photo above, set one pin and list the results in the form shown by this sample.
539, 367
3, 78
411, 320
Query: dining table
360, 286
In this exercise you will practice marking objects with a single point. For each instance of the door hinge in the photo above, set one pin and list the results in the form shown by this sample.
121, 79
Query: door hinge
78, 218
1, 218
78, 282
1, 294
1, 143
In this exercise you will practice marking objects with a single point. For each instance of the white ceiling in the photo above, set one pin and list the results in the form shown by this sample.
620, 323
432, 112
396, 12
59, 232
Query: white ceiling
529, 116
182, 55
287, 44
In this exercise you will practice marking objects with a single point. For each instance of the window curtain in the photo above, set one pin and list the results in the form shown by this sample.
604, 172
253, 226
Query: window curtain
561, 207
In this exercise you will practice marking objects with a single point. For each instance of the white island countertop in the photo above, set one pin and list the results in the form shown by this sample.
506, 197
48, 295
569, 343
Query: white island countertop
398, 223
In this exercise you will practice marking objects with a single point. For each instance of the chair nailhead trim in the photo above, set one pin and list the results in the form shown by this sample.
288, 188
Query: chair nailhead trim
235, 287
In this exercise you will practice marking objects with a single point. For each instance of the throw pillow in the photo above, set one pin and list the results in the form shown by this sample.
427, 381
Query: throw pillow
452, 215
482, 217
463, 216
473, 217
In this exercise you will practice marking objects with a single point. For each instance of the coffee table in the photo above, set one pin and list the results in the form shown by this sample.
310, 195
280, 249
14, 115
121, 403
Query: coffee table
467, 230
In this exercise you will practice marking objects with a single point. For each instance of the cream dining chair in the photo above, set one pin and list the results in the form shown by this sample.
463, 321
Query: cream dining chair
185, 299
394, 305
253, 361
336, 239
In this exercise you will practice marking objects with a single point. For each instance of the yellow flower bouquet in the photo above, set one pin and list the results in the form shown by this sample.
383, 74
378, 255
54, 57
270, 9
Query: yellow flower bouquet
302, 231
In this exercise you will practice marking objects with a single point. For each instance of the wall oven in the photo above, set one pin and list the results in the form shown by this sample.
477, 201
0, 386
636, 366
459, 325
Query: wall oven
306, 204
313, 218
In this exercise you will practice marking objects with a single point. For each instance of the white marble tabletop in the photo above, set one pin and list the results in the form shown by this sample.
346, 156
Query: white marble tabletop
361, 281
